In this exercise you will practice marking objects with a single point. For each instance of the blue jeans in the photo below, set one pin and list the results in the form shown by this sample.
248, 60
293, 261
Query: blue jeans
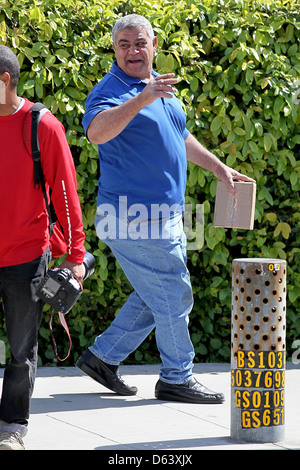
162, 299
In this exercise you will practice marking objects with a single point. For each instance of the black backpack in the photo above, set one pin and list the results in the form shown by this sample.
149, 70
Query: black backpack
31, 141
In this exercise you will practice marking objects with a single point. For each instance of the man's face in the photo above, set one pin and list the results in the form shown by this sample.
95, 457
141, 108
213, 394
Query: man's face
134, 52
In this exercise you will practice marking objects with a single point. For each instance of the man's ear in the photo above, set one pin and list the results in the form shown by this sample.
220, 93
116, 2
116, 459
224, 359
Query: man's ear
4, 84
155, 43
5, 77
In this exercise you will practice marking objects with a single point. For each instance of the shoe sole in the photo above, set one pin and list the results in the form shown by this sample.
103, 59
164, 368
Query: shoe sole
194, 400
11, 447
90, 372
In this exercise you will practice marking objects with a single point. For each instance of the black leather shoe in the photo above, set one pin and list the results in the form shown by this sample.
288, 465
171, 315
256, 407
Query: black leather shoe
190, 392
102, 373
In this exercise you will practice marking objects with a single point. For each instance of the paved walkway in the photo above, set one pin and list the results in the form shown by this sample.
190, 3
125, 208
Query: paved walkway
70, 411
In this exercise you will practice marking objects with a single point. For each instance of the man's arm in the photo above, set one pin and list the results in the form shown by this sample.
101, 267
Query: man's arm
199, 155
110, 122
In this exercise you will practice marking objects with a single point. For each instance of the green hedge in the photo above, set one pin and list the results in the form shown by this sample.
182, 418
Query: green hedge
238, 62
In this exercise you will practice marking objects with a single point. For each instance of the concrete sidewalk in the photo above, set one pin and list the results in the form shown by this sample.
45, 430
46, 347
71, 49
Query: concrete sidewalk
70, 411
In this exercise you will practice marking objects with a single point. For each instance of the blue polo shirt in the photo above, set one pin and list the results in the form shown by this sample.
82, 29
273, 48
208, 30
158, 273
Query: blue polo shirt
146, 162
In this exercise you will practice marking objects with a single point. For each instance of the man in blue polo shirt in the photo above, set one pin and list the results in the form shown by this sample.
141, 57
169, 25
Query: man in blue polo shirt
140, 128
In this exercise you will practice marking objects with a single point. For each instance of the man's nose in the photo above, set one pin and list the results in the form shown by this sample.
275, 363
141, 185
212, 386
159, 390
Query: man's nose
133, 49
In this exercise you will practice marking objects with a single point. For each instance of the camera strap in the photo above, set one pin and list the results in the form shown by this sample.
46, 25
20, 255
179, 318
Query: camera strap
65, 326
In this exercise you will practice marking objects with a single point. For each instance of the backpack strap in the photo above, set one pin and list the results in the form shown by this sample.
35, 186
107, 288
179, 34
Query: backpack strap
32, 145
37, 112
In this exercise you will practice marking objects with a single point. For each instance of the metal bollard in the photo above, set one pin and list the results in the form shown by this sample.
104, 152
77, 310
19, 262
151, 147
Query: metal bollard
258, 349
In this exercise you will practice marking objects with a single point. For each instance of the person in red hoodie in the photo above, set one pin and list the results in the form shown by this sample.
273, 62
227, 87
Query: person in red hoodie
25, 247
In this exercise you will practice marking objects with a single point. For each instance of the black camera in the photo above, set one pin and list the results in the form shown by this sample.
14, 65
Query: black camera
61, 289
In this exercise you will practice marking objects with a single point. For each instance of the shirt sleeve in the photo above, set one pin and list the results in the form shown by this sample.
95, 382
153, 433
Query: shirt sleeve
60, 175
186, 133
97, 101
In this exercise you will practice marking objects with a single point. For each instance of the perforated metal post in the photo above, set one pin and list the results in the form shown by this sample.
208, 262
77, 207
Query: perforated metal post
258, 349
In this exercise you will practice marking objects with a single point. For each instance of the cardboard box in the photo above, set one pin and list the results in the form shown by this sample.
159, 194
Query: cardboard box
235, 210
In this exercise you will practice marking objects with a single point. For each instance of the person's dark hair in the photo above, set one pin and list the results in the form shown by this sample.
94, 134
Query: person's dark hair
9, 63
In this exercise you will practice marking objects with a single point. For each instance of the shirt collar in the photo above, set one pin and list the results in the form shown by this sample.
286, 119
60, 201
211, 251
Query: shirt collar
123, 77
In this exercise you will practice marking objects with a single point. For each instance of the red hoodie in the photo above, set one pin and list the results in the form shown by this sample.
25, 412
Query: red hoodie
24, 233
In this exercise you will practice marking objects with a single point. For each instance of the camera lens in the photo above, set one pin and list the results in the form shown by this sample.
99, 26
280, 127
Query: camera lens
89, 263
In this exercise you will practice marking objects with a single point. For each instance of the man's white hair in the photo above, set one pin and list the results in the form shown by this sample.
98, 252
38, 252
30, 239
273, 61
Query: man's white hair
132, 21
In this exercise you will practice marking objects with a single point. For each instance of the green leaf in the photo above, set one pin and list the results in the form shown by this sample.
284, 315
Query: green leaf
284, 229
264, 194
293, 294
278, 104
264, 82
216, 124
239, 131
289, 33
215, 343
201, 349
267, 142
62, 54
170, 64
48, 32
272, 217
74, 93
294, 178
194, 84
50, 60
165, 63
